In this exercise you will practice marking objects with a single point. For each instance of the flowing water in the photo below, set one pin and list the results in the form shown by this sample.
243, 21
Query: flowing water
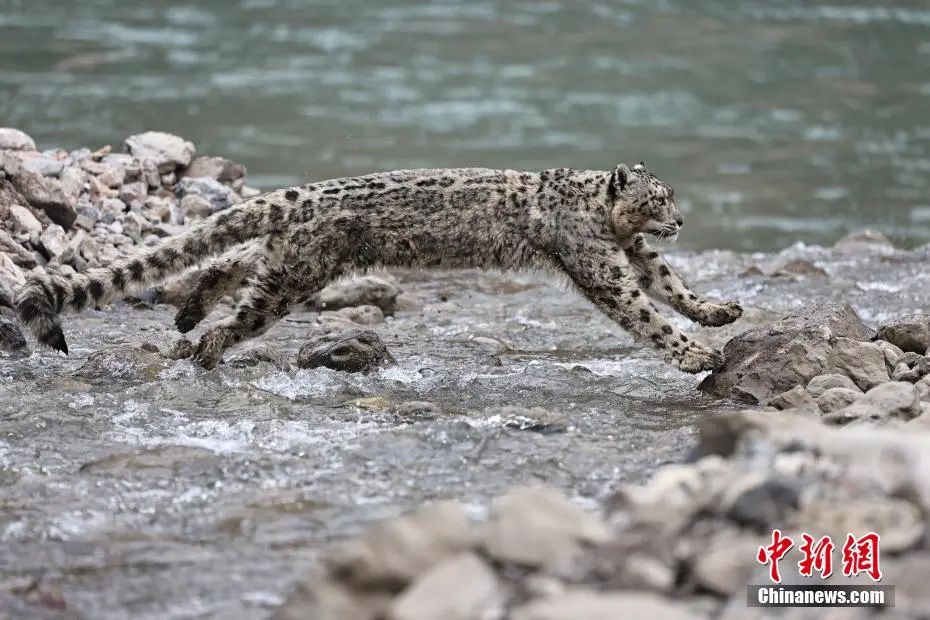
189, 493
776, 121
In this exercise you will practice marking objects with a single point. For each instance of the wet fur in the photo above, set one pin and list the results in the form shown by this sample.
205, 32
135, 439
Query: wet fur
588, 225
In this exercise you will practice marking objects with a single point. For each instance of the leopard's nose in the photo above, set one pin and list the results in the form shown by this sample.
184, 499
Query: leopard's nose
680, 222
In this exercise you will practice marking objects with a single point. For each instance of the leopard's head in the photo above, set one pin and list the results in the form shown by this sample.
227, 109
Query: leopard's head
642, 203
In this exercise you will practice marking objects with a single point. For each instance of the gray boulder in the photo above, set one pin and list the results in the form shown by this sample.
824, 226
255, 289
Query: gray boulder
370, 290
821, 383
909, 333
772, 359
837, 398
11, 337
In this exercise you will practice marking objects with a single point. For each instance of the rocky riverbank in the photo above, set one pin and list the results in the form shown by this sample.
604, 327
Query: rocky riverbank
549, 463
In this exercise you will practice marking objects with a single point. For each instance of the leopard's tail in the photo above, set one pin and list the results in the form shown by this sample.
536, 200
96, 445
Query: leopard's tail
40, 300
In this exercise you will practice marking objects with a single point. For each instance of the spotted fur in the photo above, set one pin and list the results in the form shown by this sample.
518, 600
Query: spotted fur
587, 224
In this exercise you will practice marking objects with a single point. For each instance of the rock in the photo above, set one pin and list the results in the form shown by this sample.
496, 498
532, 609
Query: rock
801, 267
591, 605
795, 398
24, 221
362, 315
535, 527
892, 354
895, 399
259, 354
725, 565
194, 206
123, 362
765, 505
54, 240
218, 195
10, 274
525, 419
394, 553
133, 192
165, 150
897, 521
44, 193
353, 350
15, 140
223, 170
909, 333
367, 290
912, 370
11, 337
327, 599
821, 383
865, 240
923, 388
111, 210
72, 181
772, 359
462, 587
863, 362
417, 410
112, 177
836, 398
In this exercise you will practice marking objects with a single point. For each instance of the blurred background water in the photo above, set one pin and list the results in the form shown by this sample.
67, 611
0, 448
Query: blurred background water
776, 121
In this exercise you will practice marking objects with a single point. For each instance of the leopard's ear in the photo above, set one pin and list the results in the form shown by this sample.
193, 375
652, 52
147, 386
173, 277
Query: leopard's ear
640, 166
621, 177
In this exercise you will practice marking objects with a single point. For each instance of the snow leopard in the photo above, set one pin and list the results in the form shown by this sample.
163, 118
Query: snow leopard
286, 245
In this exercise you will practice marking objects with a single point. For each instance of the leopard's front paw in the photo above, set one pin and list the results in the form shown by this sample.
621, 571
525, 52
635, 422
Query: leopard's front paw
714, 315
697, 357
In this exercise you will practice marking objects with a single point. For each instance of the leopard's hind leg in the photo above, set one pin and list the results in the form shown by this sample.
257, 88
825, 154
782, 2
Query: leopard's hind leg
222, 278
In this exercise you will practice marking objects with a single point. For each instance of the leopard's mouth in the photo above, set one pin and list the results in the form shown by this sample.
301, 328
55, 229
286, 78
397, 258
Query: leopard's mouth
665, 231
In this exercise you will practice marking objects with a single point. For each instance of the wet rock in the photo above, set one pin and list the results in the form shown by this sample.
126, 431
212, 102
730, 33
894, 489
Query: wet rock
462, 587
181, 349
765, 505
795, 398
351, 351
864, 241
221, 169
772, 359
395, 553
15, 140
592, 605
535, 527
909, 333
801, 267
417, 410
11, 337
218, 195
534, 419
24, 221
837, 398
123, 362
259, 354
367, 290
162, 462
895, 399
195, 206
165, 150
361, 315
821, 383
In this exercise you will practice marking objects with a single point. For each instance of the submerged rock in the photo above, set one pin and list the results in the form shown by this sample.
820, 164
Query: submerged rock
370, 290
772, 359
124, 362
909, 333
352, 350
259, 354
